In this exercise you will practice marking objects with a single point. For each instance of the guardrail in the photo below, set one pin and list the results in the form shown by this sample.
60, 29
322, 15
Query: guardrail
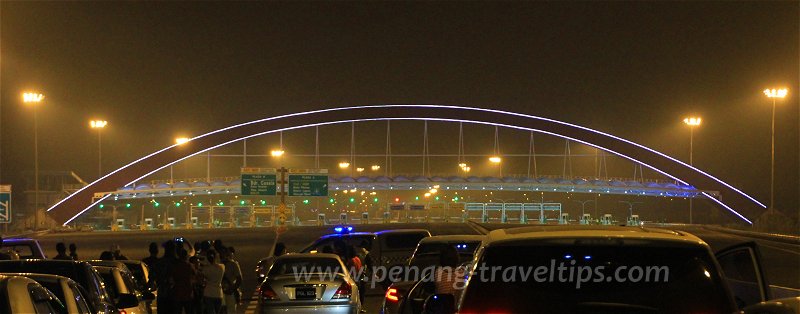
785, 238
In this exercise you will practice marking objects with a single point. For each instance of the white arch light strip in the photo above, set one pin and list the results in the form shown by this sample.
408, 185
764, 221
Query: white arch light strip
431, 119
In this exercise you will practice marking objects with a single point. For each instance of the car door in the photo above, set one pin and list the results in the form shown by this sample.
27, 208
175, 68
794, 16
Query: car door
741, 265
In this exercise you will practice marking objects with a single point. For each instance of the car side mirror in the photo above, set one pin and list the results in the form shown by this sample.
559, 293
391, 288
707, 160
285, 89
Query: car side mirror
127, 300
148, 296
440, 304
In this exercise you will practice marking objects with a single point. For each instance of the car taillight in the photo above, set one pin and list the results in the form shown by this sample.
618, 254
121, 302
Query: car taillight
344, 291
123, 312
267, 293
392, 295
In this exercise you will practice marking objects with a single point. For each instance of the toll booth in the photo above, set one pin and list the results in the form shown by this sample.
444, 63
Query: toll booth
195, 222
342, 218
607, 219
455, 212
262, 216
416, 213
387, 217
171, 222
321, 220
120, 224
365, 218
512, 213
563, 219
493, 212
474, 211
634, 220
586, 219
148, 223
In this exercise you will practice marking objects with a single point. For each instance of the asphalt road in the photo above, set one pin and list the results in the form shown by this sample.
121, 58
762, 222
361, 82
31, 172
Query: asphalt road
781, 260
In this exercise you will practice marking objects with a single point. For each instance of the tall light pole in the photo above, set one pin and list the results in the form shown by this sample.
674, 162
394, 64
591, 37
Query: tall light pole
178, 141
583, 206
692, 122
99, 125
774, 94
33, 99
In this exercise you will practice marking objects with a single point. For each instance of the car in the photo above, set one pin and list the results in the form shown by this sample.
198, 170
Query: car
396, 298
304, 282
389, 248
141, 273
19, 294
81, 272
26, 248
122, 290
607, 269
121, 286
71, 294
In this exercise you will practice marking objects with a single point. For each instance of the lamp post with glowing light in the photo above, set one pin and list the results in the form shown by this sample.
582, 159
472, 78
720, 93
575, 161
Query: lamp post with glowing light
774, 94
178, 141
497, 160
34, 99
692, 122
99, 125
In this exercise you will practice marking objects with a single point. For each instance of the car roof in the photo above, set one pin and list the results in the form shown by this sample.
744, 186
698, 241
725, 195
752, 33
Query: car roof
40, 277
590, 231
403, 231
453, 238
116, 264
18, 240
306, 256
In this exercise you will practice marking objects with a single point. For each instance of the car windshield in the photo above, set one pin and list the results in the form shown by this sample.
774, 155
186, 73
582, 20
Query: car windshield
596, 278
403, 241
427, 254
289, 266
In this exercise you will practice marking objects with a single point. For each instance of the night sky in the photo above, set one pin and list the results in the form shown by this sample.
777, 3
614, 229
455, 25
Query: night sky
158, 70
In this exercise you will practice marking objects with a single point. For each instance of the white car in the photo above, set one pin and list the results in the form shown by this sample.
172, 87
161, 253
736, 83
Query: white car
305, 283
23, 295
66, 290
122, 289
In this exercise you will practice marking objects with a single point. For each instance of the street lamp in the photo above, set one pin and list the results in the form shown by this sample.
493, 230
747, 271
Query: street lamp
692, 122
33, 99
359, 169
375, 167
495, 159
181, 140
99, 125
344, 165
774, 94
277, 152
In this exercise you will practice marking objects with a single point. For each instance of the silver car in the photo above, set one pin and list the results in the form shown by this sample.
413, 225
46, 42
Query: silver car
303, 283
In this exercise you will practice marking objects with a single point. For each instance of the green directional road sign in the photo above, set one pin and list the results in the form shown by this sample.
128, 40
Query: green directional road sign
308, 185
259, 184
5, 203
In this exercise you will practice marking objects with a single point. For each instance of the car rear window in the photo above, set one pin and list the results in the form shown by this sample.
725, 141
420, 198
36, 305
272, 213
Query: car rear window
403, 241
691, 285
287, 266
427, 254
55, 288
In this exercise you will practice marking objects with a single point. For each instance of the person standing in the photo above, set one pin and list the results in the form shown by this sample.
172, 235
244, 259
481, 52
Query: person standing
151, 260
163, 272
73, 251
184, 276
231, 281
61, 248
213, 271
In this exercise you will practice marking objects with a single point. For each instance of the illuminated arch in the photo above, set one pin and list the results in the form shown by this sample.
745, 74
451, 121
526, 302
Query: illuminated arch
79, 202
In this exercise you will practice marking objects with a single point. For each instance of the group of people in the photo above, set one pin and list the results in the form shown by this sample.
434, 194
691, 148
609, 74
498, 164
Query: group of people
208, 281
61, 248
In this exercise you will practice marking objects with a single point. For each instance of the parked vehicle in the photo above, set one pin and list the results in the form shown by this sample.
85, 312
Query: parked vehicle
71, 294
25, 247
81, 272
23, 295
122, 289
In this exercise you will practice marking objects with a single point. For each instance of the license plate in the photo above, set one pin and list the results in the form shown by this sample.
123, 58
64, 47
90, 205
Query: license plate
305, 293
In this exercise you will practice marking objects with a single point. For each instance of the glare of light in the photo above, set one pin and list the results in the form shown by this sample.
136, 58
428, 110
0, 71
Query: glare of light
433, 191
98, 124
467, 169
436, 186
707, 274
32, 97
181, 140
495, 159
427, 194
776, 93
353, 190
567, 256
462, 165
344, 164
359, 169
693, 121
277, 152
375, 167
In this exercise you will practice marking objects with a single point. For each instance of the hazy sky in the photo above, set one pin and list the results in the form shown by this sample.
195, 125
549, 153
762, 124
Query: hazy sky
156, 70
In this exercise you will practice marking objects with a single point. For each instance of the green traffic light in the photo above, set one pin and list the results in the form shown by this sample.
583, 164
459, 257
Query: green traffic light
199, 204
178, 204
156, 204
241, 202
330, 201
375, 200
352, 200
127, 205
305, 201
101, 206
437, 198
416, 198
263, 202
455, 199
